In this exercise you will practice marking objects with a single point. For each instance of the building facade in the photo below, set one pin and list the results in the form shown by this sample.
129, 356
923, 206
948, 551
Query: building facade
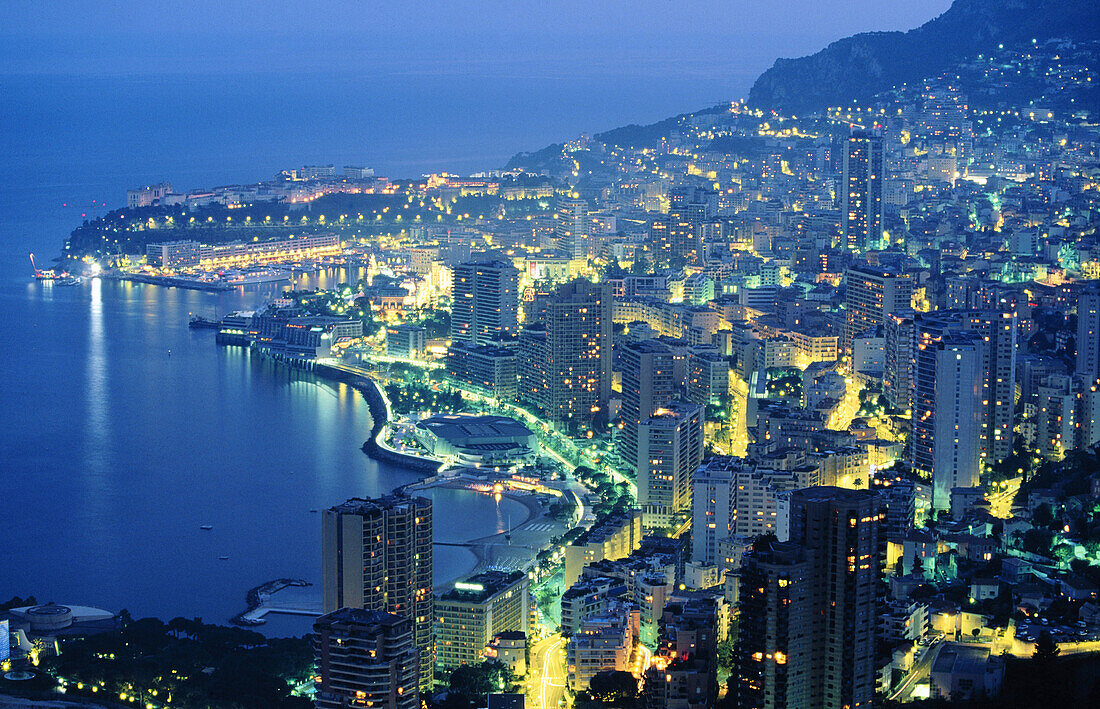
485, 310
365, 658
376, 555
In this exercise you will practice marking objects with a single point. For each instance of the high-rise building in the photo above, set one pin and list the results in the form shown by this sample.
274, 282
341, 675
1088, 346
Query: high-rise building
684, 674
376, 555
809, 607
708, 376
604, 642
670, 448
735, 497
408, 341
773, 650
365, 658
1088, 333
861, 191
945, 441
676, 237
573, 230
897, 371
648, 384
998, 329
487, 369
475, 610
872, 293
486, 302
565, 368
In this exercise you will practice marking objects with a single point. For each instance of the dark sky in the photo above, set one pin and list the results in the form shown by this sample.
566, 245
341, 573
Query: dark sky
517, 37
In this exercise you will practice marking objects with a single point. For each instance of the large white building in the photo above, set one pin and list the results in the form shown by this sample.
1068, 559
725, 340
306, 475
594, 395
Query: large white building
486, 302
471, 439
670, 448
573, 230
861, 191
733, 497
945, 442
604, 643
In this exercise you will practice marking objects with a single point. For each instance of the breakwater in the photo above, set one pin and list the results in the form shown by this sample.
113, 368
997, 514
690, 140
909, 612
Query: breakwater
380, 416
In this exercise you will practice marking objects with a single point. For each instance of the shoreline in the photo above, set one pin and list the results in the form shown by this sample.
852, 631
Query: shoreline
488, 549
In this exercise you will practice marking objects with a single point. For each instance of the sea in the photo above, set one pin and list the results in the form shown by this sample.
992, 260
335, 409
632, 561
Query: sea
122, 431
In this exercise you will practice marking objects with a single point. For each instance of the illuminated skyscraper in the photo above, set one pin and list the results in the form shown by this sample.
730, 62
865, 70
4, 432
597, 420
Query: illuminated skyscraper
872, 293
648, 384
810, 606
861, 191
377, 555
946, 437
486, 302
565, 368
670, 448
1088, 333
365, 658
573, 229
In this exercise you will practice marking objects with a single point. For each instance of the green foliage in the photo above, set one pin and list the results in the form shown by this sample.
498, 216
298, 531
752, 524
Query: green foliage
249, 671
414, 396
469, 684
1046, 650
610, 689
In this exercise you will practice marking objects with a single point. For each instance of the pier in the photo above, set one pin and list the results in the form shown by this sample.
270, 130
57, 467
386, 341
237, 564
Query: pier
261, 602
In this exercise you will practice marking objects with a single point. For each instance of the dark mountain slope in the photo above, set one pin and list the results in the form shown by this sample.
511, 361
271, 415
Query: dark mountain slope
857, 67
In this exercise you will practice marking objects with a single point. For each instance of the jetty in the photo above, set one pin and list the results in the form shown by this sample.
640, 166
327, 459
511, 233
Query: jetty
261, 602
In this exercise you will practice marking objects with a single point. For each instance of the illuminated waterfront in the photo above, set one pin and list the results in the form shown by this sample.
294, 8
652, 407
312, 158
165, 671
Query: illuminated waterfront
137, 448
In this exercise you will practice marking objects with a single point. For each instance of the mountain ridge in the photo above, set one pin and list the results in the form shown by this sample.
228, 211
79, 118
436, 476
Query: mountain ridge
857, 67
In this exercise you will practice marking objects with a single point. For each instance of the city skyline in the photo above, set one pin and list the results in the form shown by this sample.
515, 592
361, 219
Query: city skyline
786, 399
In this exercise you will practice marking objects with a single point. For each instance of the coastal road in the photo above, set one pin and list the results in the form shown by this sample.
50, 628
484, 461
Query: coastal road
546, 685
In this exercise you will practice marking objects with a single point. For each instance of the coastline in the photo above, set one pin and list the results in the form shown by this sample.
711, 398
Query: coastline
496, 550
380, 416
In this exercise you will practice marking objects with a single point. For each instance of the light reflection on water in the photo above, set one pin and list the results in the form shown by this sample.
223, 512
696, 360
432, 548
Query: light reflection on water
114, 453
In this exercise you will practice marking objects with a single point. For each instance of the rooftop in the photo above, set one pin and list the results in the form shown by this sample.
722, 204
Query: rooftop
458, 429
481, 587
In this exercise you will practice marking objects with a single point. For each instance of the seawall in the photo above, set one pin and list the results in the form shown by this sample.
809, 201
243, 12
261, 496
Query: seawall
380, 415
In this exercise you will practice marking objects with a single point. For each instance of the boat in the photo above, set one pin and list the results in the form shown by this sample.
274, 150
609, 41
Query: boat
254, 276
200, 323
223, 558
68, 281
45, 274
207, 527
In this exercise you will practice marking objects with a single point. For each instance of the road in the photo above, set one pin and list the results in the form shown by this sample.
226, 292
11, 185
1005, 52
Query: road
845, 411
546, 683
1000, 502
922, 669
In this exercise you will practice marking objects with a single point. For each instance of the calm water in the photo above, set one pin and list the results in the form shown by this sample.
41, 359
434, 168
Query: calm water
115, 452
112, 452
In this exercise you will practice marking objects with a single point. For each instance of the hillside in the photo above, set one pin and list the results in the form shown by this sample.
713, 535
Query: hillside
857, 67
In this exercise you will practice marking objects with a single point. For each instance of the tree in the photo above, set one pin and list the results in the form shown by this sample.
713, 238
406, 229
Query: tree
1043, 517
725, 654
1045, 651
474, 682
619, 689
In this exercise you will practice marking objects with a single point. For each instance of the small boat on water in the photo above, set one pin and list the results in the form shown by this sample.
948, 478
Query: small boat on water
68, 281
207, 527
200, 323
223, 558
